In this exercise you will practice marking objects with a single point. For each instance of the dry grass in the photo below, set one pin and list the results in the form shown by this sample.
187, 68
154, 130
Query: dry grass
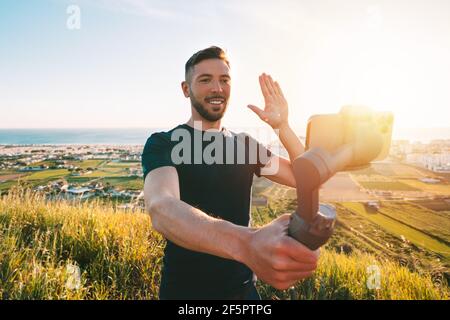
119, 257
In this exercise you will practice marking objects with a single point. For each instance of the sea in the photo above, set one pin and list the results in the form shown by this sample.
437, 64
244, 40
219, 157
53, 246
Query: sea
138, 136
120, 136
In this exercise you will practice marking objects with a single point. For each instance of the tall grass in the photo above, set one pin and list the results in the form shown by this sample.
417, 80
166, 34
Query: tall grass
119, 257
361, 276
117, 253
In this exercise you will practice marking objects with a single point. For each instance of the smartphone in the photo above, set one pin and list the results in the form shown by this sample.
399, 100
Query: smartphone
331, 131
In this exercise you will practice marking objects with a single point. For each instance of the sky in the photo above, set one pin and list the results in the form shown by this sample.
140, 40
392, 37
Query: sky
124, 65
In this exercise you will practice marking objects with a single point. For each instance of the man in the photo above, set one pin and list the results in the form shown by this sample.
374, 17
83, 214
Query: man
203, 208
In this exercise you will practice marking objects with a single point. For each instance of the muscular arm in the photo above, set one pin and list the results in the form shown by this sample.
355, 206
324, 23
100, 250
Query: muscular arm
187, 226
275, 257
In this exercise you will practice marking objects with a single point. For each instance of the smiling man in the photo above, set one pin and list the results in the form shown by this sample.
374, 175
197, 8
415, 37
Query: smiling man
202, 207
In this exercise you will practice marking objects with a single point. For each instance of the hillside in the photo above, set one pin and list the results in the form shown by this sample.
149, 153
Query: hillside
42, 245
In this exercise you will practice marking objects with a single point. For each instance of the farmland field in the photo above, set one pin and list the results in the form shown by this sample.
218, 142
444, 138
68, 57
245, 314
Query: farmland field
387, 186
130, 164
6, 185
433, 223
89, 163
113, 172
47, 174
105, 172
394, 227
397, 170
439, 189
131, 183
400, 179
79, 179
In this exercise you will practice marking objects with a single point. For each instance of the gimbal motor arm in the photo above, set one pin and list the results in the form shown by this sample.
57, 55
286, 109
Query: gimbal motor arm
312, 224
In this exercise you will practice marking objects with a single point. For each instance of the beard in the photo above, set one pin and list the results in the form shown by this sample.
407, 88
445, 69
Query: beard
204, 112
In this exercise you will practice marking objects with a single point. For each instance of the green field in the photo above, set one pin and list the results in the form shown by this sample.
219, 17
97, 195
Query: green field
396, 228
398, 177
434, 204
45, 163
106, 172
76, 179
431, 222
89, 164
114, 173
399, 170
130, 183
130, 164
439, 188
47, 175
387, 186
6, 185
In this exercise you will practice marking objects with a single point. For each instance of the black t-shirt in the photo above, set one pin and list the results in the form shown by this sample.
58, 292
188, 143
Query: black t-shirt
215, 175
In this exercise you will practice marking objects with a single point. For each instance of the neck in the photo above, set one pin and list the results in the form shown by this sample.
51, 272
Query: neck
195, 122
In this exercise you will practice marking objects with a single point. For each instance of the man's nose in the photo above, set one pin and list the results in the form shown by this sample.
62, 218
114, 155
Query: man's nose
217, 86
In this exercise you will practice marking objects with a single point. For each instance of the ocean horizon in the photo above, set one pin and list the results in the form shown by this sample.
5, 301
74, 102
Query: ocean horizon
109, 136
138, 136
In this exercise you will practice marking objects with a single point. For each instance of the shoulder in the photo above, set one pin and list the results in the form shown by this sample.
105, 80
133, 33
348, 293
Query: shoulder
157, 151
254, 146
245, 137
160, 139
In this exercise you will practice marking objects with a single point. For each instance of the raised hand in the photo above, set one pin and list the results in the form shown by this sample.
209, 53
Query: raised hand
275, 112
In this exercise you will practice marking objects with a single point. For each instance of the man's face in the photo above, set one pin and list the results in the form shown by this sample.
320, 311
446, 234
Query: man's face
209, 88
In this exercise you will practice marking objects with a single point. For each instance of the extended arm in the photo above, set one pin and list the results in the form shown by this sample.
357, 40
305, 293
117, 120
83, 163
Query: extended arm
185, 225
275, 257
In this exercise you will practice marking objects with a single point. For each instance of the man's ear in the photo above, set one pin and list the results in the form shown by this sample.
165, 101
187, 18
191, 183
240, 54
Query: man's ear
185, 88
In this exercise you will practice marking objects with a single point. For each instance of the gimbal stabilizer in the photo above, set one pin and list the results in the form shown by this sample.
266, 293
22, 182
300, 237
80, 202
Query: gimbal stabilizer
361, 136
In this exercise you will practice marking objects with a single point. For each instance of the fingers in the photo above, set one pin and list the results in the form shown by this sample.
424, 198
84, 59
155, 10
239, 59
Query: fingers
284, 218
291, 247
269, 83
278, 88
294, 276
261, 114
289, 265
286, 280
269, 86
283, 222
263, 85
299, 252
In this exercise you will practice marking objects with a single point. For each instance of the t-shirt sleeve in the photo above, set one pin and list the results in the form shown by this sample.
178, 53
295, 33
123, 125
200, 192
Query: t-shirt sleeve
156, 154
263, 154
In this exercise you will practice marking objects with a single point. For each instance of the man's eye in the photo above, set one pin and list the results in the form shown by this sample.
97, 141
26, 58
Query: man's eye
226, 81
204, 80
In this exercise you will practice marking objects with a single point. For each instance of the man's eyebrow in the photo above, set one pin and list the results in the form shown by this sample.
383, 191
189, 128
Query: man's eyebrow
210, 75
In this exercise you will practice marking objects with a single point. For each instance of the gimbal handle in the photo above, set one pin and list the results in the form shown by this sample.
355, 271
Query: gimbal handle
309, 224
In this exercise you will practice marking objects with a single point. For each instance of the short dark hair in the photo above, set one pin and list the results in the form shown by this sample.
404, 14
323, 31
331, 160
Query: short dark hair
212, 52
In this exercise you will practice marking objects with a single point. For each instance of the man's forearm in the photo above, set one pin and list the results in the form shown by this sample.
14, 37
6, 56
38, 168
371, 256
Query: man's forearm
193, 229
290, 141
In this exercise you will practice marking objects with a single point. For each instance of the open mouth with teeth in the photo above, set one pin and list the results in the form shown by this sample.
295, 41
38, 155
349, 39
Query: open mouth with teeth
216, 102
